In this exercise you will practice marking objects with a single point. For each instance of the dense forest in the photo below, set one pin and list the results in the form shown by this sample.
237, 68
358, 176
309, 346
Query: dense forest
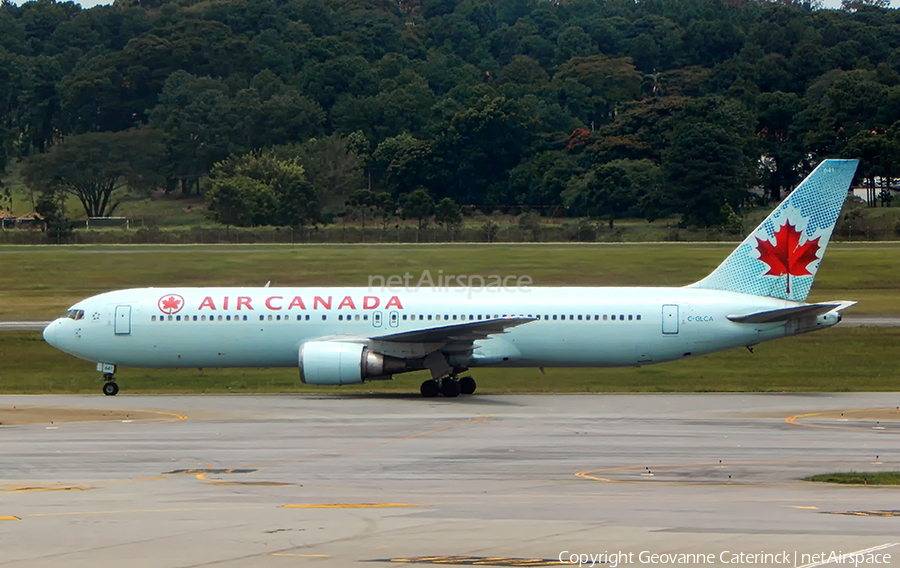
294, 112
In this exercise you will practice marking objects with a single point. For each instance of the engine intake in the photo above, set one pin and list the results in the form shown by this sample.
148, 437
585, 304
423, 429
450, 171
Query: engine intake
336, 363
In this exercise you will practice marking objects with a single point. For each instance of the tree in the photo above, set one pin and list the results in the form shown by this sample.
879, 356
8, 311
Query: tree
94, 167
782, 130
363, 200
332, 167
260, 189
417, 205
472, 160
614, 189
710, 160
878, 158
591, 87
446, 214
853, 5
706, 168
57, 226
195, 114
387, 208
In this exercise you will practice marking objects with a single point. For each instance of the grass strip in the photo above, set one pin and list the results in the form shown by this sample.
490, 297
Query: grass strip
834, 360
859, 478
42, 282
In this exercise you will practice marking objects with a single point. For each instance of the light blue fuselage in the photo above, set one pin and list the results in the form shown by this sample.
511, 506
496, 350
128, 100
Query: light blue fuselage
576, 327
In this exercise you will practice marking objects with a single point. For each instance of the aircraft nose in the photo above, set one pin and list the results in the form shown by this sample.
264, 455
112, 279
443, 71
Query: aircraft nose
50, 333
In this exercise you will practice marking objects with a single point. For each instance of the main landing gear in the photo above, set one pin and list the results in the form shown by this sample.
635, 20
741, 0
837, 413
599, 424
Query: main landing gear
110, 388
450, 387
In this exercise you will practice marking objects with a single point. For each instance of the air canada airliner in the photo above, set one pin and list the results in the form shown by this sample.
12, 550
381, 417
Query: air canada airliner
339, 336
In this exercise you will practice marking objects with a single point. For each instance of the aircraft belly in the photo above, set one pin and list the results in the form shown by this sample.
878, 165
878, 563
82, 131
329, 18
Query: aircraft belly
562, 347
188, 348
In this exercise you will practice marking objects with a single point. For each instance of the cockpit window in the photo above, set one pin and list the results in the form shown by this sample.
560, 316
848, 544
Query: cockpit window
74, 314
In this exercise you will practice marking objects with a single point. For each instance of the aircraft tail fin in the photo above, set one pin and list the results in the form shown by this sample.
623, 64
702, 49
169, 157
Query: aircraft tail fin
780, 258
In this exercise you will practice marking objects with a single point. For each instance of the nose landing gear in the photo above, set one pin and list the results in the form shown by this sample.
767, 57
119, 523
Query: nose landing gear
110, 388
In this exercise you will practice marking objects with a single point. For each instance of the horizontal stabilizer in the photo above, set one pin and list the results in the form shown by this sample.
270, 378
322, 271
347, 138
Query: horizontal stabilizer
796, 312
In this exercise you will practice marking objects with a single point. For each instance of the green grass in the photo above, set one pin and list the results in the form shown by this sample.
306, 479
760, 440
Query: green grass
41, 282
861, 478
835, 360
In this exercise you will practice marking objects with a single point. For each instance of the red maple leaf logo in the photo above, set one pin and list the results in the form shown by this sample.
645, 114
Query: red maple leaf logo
787, 256
170, 304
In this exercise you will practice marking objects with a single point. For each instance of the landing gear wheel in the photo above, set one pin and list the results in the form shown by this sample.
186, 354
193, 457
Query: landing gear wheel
450, 388
430, 389
467, 385
110, 388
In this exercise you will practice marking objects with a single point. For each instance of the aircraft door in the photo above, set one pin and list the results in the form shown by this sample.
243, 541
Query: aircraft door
670, 319
395, 319
376, 319
123, 320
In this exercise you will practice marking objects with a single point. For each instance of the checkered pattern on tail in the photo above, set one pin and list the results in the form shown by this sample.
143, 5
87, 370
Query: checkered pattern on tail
813, 209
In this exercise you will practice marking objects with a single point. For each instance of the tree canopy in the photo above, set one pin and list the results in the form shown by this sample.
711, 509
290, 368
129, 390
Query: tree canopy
489, 103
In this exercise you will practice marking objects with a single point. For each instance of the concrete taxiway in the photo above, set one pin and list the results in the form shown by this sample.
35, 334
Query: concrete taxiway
480, 480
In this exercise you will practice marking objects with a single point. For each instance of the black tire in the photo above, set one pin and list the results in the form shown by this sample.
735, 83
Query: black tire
450, 388
110, 389
430, 389
467, 385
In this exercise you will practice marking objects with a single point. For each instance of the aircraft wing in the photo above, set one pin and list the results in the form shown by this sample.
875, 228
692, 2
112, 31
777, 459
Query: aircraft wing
457, 338
795, 312
466, 332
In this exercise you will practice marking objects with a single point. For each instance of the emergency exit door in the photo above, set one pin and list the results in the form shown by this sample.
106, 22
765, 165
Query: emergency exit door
670, 319
123, 320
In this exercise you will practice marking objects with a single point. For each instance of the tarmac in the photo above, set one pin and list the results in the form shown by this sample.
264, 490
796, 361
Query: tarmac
518, 480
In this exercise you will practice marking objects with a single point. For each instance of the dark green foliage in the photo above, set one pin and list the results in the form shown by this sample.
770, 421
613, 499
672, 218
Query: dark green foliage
94, 167
261, 189
490, 103
417, 205
56, 225
446, 213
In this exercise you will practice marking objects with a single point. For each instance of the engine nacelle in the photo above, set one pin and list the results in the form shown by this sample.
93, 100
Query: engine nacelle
335, 363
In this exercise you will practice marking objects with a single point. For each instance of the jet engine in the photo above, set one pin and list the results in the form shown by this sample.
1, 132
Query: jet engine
335, 363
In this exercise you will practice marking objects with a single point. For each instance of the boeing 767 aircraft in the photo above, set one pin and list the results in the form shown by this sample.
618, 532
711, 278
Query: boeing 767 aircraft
343, 336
